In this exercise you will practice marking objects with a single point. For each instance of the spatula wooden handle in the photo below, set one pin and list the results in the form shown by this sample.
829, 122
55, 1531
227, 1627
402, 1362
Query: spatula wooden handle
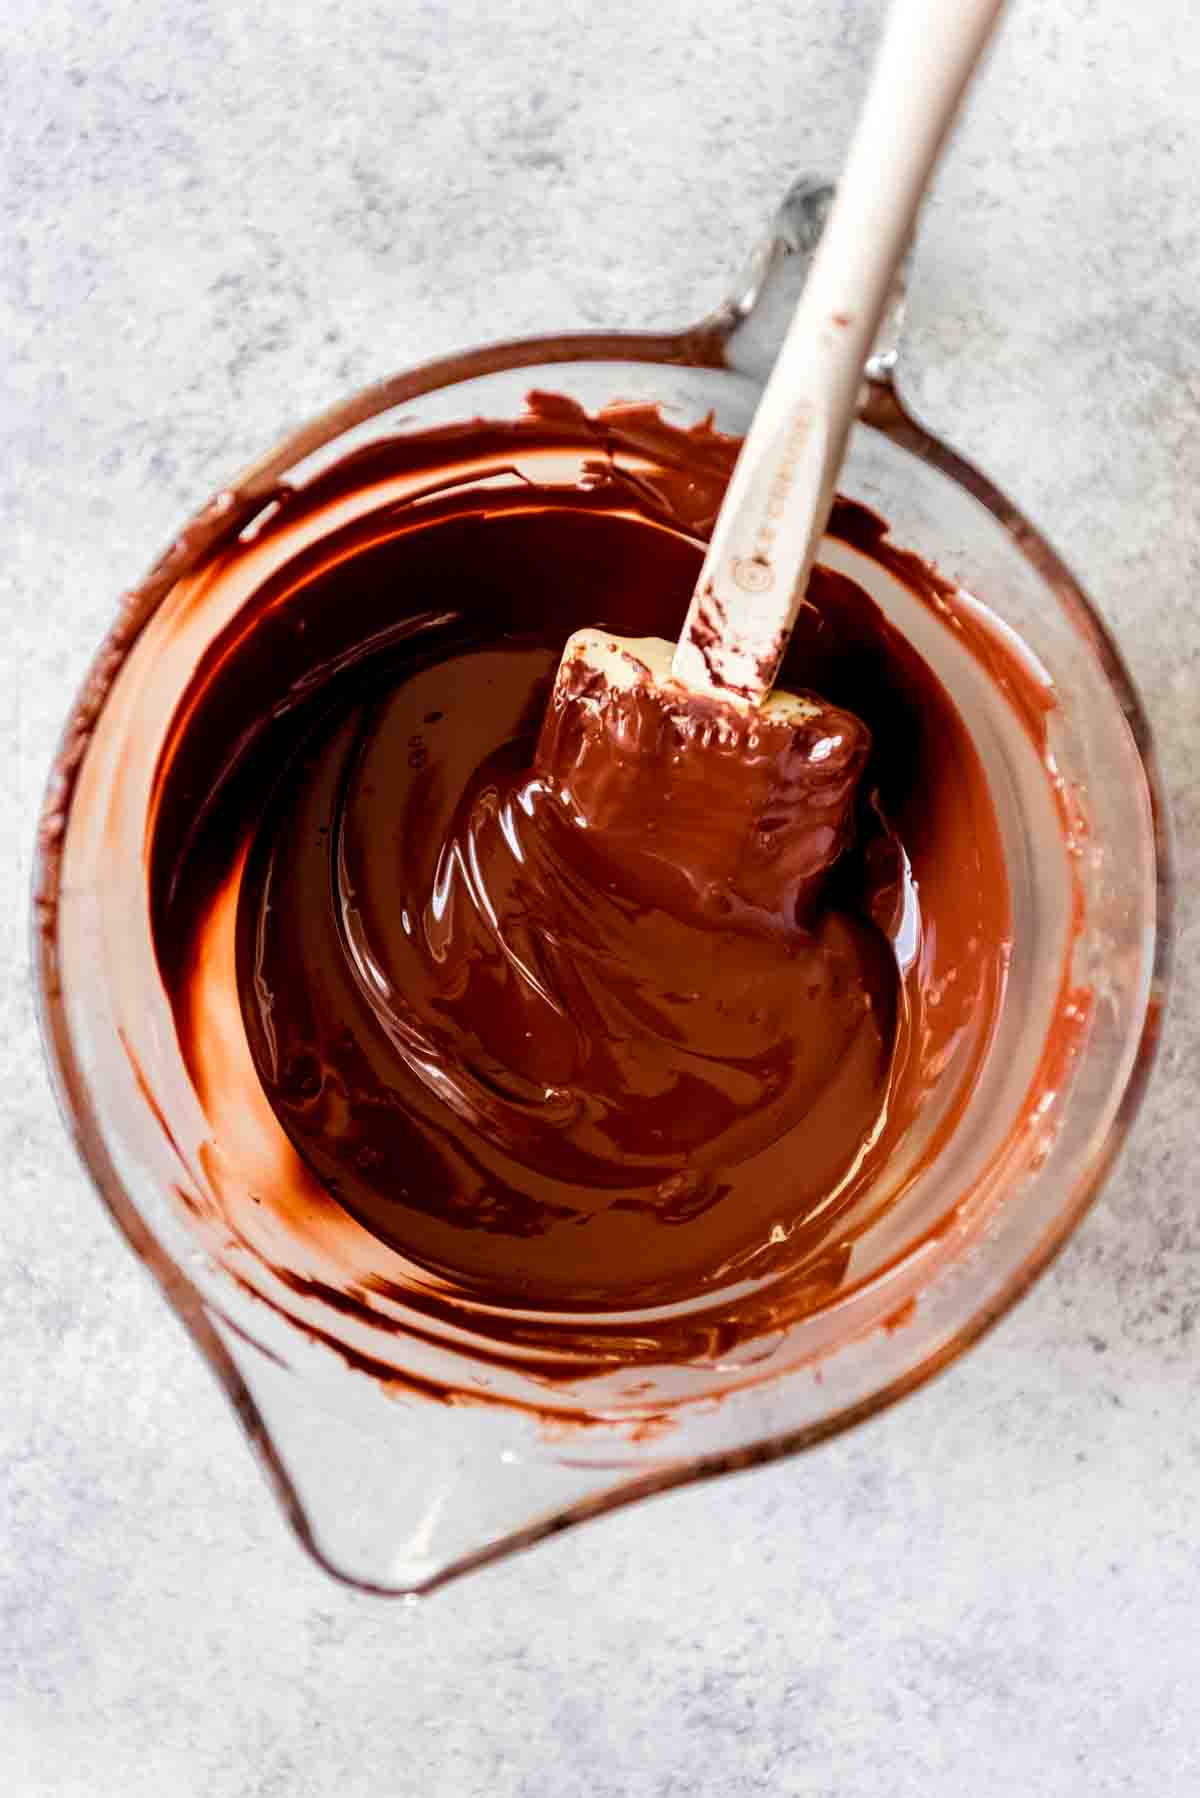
767, 534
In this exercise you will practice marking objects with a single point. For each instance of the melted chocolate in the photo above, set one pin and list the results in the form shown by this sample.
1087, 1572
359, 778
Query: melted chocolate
561, 1060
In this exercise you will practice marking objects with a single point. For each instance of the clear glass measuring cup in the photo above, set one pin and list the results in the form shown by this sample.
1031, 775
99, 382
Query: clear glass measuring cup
394, 1489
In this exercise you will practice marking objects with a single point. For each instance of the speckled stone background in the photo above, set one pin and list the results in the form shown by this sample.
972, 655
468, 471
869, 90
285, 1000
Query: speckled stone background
217, 218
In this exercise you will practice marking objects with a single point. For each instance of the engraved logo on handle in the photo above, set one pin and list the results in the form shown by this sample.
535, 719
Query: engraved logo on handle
754, 573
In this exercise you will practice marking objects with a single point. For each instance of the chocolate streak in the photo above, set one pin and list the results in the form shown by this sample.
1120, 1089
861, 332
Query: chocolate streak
564, 1066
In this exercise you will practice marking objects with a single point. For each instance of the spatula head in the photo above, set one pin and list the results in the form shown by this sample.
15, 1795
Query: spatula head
696, 801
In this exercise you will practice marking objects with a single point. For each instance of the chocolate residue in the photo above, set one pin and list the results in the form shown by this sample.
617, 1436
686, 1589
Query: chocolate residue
705, 632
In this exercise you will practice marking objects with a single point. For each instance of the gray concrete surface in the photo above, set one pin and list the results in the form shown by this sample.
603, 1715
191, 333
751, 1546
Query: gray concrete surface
216, 218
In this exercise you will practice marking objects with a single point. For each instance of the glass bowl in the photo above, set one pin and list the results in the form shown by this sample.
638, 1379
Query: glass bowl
392, 1479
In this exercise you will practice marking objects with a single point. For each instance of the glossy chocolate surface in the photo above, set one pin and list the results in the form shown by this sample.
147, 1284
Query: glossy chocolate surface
574, 1026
